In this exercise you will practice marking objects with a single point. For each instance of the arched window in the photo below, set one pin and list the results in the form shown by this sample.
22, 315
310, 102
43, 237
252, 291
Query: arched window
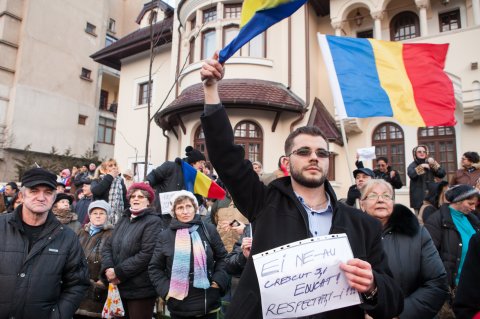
199, 141
404, 26
441, 145
389, 142
249, 135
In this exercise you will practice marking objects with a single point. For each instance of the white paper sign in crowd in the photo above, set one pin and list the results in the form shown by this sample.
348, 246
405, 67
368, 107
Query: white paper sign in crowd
366, 153
165, 201
304, 278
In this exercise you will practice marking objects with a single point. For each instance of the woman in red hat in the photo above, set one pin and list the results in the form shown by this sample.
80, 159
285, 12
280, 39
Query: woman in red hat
127, 253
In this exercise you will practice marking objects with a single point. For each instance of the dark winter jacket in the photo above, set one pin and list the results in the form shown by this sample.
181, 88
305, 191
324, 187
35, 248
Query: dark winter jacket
92, 303
167, 177
415, 264
447, 239
396, 181
467, 299
129, 250
279, 218
101, 187
47, 282
198, 301
420, 178
81, 209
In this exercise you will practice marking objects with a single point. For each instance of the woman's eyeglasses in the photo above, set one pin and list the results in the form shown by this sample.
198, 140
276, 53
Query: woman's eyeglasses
137, 196
375, 197
305, 152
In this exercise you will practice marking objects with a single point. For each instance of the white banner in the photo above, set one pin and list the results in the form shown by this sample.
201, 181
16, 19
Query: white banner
304, 278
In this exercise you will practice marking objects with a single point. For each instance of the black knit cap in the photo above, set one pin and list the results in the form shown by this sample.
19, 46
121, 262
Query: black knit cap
61, 196
460, 192
193, 155
39, 176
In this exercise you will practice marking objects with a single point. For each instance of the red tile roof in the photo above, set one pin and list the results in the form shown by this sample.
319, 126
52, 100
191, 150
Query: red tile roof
133, 43
326, 123
234, 93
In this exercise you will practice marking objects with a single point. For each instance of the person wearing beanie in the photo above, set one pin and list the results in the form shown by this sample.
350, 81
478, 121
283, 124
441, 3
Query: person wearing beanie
422, 171
193, 291
43, 269
127, 253
470, 172
62, 208
451, 228
168, 177
93, 237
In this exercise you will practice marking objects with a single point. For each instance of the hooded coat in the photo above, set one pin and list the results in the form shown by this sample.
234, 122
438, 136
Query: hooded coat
50, 280
279, 218
129, 250
198, 301
415, 264
420, 177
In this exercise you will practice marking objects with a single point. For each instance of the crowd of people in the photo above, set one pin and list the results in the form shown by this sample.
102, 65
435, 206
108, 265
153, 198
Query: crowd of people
65, 238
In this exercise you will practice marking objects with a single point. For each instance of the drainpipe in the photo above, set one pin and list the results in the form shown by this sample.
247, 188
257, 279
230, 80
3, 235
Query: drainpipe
307, 68
168, 144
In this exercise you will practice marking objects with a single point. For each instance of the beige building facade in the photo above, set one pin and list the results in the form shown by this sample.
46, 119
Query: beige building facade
50, 89
278, 82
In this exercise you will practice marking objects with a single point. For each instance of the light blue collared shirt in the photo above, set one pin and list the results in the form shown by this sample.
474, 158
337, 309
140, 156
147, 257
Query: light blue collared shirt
319, 222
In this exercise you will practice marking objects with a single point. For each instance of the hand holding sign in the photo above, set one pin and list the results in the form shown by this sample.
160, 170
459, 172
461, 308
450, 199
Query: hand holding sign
359, 275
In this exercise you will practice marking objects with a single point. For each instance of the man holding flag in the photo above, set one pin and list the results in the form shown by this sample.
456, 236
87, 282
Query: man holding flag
183, 175
293, 208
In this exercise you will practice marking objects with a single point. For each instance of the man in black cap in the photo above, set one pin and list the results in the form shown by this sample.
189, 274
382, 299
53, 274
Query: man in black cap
168, 177
9, 193
43, 273
362, 176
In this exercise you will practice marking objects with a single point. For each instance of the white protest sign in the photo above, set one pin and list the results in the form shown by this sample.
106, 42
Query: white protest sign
366, 153
165, 201
304, 278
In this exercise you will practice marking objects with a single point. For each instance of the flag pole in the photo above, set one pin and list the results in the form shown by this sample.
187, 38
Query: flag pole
347, 153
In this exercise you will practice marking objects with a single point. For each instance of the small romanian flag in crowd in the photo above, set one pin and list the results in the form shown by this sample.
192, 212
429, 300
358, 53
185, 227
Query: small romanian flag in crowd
258, 16
199, 183
379, 78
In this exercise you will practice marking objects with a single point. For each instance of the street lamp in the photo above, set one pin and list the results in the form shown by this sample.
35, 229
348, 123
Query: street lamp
359, 18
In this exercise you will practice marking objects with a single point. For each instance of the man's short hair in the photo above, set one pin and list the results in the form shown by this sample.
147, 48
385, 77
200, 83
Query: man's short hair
472, 157
382, 158
307, 130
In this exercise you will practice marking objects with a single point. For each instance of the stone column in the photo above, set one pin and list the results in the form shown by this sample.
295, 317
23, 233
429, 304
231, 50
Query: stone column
377, 26
422, 6
337, 25
476, 12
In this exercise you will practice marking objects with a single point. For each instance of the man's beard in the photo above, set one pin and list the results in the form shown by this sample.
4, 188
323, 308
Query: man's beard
310, 183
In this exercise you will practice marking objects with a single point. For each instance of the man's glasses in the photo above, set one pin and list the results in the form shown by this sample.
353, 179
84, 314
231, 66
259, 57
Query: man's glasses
306, 152
375, 197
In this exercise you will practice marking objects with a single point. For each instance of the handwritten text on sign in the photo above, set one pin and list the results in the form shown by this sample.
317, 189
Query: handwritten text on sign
304, 278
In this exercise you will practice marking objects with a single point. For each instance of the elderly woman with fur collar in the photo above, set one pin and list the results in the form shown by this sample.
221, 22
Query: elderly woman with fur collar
412, 257
92, 238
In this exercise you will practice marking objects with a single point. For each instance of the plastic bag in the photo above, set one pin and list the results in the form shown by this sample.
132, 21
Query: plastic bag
113, 305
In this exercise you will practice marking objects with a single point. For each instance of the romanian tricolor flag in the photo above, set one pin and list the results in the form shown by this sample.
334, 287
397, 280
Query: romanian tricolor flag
379, 78
258, 16
199, 183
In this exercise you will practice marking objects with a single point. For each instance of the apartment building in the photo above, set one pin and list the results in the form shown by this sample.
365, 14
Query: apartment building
51, 93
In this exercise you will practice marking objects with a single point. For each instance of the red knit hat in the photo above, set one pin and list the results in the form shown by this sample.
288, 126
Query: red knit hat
143, 187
